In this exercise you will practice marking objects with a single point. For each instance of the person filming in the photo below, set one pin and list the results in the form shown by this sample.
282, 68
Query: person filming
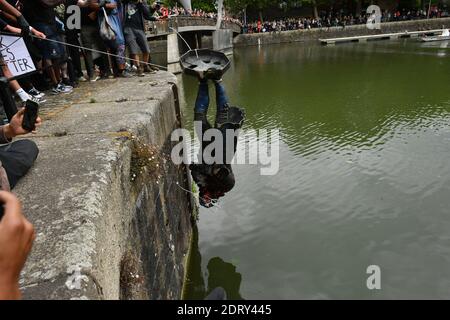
16, 239
16, 158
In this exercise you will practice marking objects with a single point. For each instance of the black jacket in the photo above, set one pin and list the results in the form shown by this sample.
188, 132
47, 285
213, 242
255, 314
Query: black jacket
144, 10
40, 11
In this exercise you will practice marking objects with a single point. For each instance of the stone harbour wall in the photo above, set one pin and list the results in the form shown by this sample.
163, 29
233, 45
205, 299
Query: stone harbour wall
111, 217
337, 32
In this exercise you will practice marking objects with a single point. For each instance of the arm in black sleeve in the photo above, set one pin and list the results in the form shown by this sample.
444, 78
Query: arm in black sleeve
5, 6
51, 3
146, 12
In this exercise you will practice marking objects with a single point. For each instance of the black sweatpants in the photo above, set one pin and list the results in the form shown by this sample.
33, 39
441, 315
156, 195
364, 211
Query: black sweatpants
74, 53
17, 158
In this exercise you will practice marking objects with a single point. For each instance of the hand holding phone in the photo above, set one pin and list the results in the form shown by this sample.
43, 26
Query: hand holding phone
30, 115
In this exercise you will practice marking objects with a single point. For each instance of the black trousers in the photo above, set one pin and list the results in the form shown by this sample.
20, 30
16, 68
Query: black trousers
17, 158
74, 53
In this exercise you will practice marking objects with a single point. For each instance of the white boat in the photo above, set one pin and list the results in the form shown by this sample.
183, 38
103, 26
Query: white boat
444, 36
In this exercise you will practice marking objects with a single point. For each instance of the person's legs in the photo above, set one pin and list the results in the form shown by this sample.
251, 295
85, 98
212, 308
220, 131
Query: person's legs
63, 58
113, 62
87, 40
50, 51
103, 65
133, 47
50, 71
201, 124
14, 85
146, 57
56, 66
60, 64
74, 53
202, 101
136, 62
31, 82
89, 63
120, 60
58, 71
17, 158
227, 118
7, 101
39, 78
72, 74
65, 79
25, 83
147, 67
221, 96
141, 40
63, 68
28, 86
201, 110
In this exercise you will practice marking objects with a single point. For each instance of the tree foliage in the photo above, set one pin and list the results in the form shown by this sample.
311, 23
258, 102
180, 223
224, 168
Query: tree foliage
355, 5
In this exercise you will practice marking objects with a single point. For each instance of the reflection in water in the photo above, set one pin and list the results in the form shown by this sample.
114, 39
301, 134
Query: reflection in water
194, 285
436, 44
221, 274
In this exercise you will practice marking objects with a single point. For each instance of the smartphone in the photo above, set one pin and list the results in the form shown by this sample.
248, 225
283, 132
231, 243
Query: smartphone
30, 115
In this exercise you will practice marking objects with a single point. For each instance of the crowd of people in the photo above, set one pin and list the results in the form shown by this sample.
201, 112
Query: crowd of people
180, 11
59, 66
111, 41
336, 19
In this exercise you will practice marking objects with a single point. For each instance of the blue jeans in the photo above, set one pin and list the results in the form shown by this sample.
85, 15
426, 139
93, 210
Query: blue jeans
202, 102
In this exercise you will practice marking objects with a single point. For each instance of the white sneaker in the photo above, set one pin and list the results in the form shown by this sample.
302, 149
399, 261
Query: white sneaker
64, 89
36, 93
37, 100
55, 90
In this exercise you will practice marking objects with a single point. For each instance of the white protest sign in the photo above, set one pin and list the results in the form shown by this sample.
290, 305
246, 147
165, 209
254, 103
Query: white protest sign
16, 55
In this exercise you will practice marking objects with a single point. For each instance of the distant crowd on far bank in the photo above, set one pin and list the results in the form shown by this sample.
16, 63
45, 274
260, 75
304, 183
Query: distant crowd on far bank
337, 19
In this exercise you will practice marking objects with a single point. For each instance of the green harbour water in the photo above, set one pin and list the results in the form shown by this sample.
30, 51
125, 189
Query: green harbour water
364, 175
